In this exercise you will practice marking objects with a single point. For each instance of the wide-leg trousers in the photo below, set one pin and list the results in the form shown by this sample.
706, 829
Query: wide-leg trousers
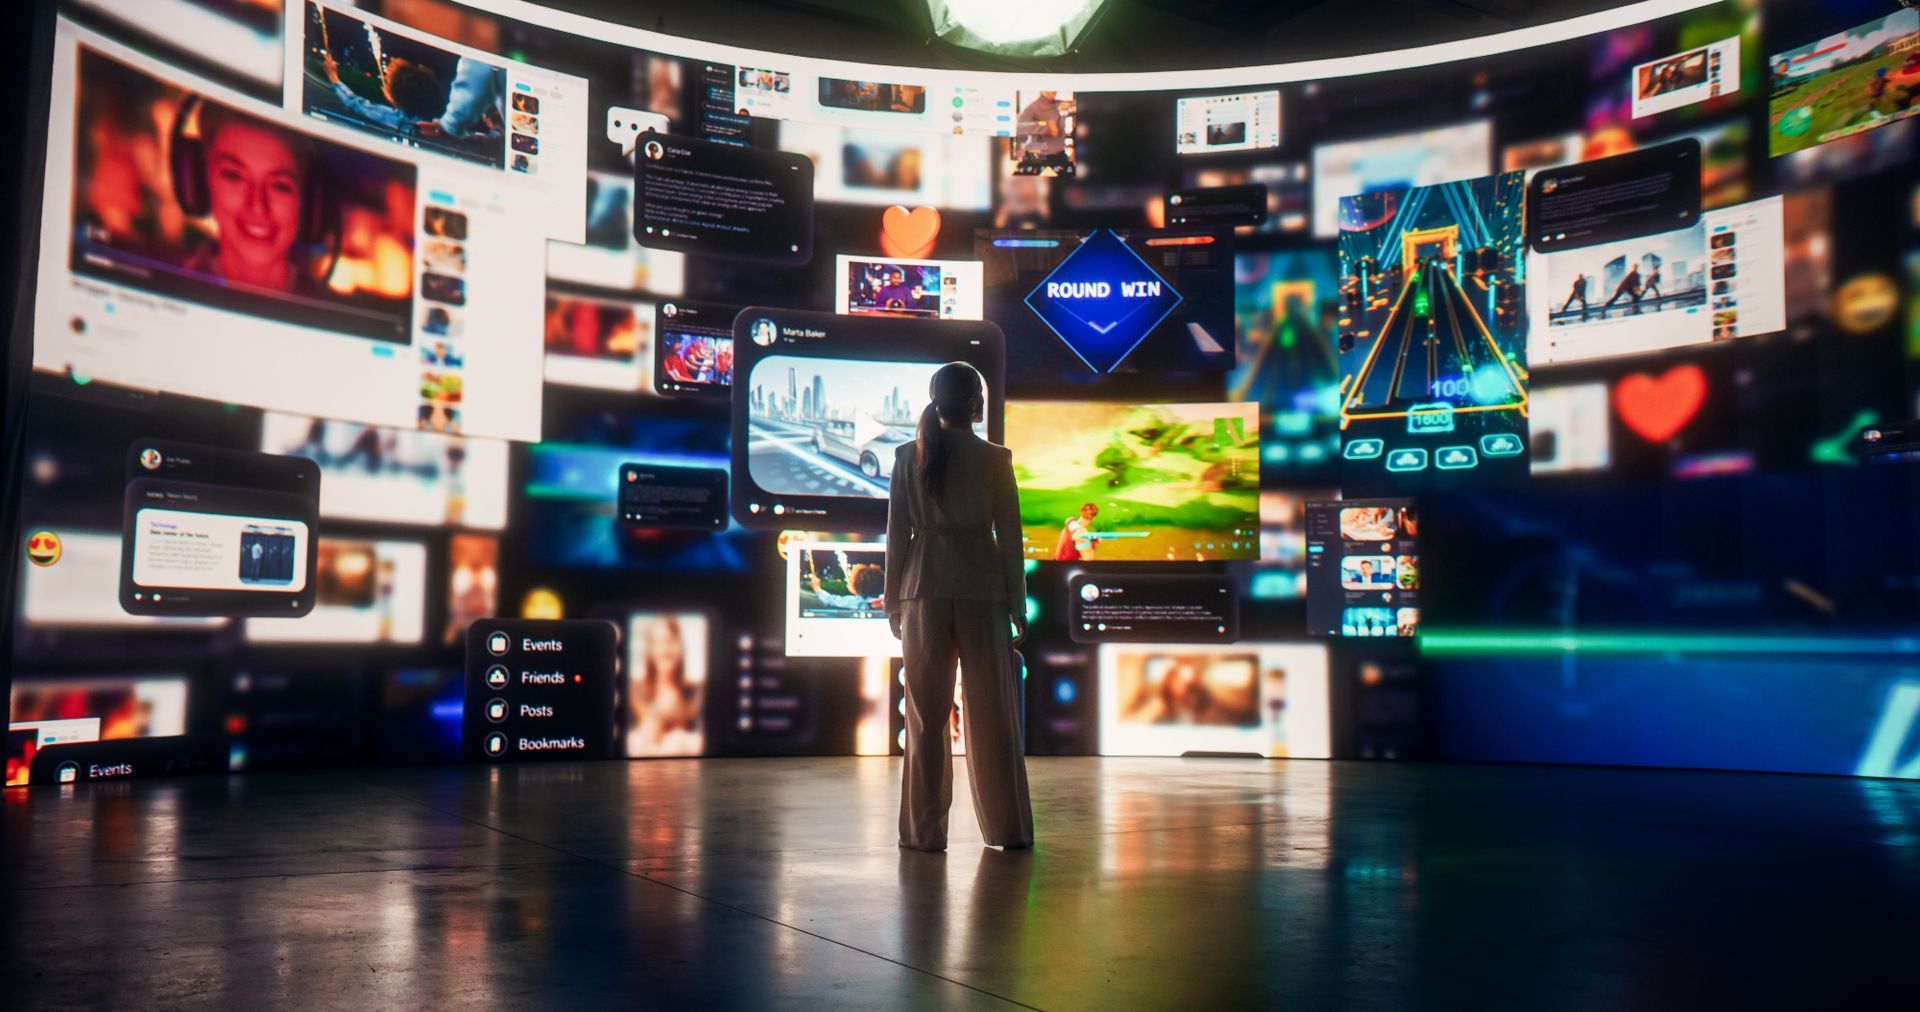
936, 633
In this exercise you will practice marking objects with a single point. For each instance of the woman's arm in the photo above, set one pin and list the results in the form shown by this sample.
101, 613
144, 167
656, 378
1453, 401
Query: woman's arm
1008, 536
899, 527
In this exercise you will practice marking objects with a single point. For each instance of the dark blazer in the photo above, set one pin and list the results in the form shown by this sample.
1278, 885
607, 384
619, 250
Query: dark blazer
968, 548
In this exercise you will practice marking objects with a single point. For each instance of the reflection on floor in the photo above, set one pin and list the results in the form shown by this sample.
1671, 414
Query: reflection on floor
758, 883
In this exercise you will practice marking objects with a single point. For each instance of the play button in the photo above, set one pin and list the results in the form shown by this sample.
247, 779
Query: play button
866, 429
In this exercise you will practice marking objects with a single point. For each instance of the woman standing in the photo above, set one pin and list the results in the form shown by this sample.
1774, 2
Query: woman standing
956, 592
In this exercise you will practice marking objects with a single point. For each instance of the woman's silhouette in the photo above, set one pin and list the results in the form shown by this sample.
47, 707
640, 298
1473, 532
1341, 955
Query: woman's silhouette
956, 591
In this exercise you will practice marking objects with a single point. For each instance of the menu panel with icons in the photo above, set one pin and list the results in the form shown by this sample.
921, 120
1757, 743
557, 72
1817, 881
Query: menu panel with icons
540, 689
1363, 568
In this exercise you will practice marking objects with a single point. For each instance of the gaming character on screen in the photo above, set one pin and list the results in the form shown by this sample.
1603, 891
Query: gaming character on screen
265, 190
956, 591
1077, 540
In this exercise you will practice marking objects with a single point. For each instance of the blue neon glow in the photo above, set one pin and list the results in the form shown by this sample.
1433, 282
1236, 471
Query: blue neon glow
1103, 300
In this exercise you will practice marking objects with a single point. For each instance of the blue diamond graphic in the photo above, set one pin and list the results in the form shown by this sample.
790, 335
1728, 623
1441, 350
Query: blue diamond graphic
1103, 300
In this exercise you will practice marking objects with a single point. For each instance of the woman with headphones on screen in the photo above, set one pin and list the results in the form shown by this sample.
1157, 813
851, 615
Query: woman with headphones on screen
261, 184
956, 590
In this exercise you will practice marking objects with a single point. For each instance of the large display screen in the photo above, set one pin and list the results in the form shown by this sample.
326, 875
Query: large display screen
200, 241
436, 313
1137, 482
1263, 699
1433, 361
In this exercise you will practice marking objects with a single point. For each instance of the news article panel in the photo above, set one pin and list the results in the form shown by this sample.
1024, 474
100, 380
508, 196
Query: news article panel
212, 531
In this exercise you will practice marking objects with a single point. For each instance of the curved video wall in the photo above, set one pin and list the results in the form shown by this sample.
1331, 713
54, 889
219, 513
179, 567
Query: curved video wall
418, 380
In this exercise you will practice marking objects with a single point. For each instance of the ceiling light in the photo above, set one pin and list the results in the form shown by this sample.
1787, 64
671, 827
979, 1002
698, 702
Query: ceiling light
1013, 27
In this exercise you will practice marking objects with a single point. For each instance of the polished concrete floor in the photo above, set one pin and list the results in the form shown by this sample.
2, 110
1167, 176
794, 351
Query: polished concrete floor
774, 883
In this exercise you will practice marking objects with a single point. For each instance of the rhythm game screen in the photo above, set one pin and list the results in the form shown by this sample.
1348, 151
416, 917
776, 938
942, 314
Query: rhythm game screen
1507, 400
1433, 357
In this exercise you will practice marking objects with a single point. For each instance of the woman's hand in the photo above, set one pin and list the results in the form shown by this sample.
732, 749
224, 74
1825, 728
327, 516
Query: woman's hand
1019, 620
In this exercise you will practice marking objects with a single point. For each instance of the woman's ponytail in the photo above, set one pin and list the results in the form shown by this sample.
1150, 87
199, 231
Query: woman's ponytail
958, 397
930, 459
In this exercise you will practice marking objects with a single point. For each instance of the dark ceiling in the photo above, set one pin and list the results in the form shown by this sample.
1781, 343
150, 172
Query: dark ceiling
1129, 35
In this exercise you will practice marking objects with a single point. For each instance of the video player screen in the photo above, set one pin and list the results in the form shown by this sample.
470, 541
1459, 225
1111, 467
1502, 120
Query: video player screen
823, 403
1137, 482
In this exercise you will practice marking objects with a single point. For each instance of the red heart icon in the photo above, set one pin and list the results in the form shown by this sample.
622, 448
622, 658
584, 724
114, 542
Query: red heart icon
1658, 409
909, 234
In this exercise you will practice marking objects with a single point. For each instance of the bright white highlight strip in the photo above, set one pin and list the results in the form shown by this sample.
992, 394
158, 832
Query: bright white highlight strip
1038, 26
1274, 73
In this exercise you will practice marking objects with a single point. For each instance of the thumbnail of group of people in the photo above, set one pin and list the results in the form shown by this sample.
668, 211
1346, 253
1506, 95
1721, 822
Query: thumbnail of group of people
1634, 286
